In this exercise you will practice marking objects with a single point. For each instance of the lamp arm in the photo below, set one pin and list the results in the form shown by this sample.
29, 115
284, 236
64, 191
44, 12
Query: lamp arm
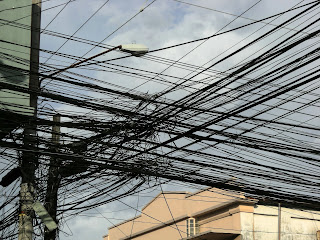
84, 60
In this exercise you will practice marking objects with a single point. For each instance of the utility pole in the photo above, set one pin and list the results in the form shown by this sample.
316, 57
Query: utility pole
279, 221
54, 179
29, 161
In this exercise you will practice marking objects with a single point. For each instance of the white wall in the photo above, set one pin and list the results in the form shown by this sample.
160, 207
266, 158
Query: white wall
295, 224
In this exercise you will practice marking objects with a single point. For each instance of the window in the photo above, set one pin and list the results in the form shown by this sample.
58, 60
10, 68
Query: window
192, 227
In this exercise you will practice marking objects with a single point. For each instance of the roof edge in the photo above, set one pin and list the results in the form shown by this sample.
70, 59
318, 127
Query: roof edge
165, 192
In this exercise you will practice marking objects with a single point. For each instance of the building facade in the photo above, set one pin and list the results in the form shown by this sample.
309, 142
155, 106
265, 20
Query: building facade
214, 214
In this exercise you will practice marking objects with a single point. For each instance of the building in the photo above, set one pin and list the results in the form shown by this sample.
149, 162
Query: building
214, 214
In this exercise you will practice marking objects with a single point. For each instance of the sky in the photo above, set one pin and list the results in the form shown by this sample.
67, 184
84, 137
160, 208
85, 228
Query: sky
156, 24
162, 23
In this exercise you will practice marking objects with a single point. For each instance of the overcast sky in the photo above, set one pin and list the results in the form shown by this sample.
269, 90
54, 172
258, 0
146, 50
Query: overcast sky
162, 23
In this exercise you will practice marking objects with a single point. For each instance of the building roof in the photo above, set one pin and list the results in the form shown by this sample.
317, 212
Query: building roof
148, 204
218, 235
236, 199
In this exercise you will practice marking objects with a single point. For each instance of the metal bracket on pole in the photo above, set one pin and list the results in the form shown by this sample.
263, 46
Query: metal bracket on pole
44, 215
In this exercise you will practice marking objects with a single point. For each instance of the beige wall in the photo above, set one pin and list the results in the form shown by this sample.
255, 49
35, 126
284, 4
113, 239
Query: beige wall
154, 214
182, 206
225, 220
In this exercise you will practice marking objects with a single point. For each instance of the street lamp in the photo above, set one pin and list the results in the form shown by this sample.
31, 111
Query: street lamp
27, 202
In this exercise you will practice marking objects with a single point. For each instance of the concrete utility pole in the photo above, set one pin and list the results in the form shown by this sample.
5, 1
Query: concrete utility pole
54, 179
29, 162
279, 221
26, 212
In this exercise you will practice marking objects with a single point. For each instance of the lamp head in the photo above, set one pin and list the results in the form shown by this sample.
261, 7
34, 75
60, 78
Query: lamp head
134, 49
